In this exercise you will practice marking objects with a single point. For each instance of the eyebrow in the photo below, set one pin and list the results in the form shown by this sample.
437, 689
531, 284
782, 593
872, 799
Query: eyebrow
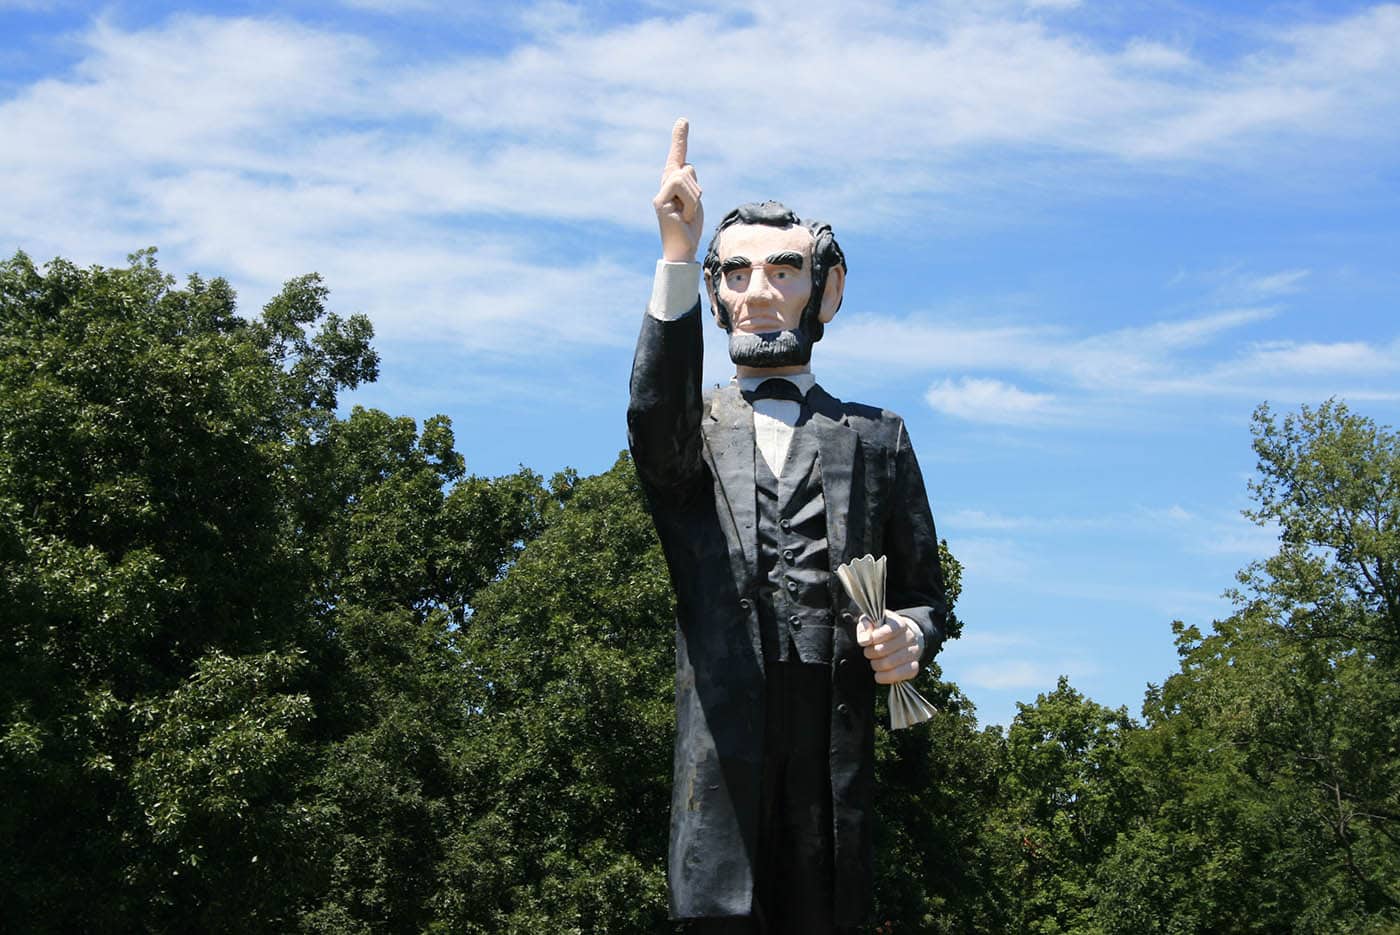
790, 258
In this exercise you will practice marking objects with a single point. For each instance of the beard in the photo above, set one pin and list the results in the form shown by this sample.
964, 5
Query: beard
788, 348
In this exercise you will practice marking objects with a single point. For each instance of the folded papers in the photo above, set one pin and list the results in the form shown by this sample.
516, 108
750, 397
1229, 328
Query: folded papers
864, 581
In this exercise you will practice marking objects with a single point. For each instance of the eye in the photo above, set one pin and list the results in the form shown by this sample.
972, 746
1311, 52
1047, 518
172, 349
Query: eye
737, 278
780, 274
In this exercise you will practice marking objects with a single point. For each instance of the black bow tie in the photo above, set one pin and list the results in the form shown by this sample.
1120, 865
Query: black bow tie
775, 388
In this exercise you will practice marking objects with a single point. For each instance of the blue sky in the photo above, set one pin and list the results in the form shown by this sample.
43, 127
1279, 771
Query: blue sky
1085, 239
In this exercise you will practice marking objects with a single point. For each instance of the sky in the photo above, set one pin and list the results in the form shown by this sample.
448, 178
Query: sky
1085, 240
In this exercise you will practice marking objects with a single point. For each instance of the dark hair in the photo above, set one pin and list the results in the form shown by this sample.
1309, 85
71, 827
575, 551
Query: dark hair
826, 253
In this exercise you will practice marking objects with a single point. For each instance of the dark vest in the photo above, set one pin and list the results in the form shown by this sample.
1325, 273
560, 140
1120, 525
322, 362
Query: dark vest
795, 608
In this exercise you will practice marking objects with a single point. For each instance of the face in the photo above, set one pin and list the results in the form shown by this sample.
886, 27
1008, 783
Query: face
765, 276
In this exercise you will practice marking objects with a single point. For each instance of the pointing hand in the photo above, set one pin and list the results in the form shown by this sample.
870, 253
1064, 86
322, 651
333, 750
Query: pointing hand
678, 210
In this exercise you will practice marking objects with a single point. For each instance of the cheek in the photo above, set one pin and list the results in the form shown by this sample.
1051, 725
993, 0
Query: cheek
794, 302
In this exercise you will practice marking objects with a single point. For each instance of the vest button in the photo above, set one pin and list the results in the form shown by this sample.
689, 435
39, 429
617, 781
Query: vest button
745, 603
849, 619
792, 586
796, 622
843, 664
786, 524
787, 554
843, 708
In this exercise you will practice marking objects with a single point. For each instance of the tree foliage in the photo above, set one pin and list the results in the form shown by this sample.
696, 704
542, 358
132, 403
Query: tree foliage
229, 699
267, 667
1270, 757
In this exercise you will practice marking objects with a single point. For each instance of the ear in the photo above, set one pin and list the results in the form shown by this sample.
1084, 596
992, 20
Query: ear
714, 299
832, 292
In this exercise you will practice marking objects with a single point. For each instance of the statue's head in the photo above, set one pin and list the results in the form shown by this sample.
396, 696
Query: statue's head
774, 282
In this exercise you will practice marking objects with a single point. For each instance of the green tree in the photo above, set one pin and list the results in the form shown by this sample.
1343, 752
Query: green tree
566, 770
936, 865
1330, 481
1271, 756
1068, 788
266, 668
229, 694
147, 583
937, 862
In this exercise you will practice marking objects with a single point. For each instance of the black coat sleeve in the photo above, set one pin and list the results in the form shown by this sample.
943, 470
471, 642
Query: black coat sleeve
663, 414
914, 583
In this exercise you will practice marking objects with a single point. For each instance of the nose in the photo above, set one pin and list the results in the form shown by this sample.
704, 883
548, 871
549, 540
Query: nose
761, 290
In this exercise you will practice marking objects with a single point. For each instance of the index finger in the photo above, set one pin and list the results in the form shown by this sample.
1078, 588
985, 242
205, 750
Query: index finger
680, 136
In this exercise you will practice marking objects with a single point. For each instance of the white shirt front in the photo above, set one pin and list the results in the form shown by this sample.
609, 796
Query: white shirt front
775, 419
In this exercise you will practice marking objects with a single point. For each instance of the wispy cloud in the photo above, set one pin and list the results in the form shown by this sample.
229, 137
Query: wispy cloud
1013, 660
391, 6
1024, 675
1211, 531
264, 143
1238, 286
983, 400
1092, 376
993, 559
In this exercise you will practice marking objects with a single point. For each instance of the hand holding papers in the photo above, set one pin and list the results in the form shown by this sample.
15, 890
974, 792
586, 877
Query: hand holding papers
864, 581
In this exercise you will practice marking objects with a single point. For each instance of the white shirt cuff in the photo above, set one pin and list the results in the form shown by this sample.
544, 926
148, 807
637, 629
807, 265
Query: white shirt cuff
674, 290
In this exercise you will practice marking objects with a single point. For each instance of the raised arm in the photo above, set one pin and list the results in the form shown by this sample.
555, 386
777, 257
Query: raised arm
663, 415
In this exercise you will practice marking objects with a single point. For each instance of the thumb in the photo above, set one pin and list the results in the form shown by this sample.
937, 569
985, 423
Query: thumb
864, 626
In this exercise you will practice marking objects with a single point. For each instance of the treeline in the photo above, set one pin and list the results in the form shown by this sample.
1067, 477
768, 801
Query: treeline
264, 668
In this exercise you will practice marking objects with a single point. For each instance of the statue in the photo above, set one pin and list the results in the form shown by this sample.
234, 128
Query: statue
759, 491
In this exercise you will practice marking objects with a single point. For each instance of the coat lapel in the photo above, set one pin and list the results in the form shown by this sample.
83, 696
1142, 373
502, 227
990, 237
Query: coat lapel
729, 433
838, 446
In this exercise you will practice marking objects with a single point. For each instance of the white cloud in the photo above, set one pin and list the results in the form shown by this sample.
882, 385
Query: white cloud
1211, 531
263, 144
1024, 675
1236, 285
1317, 358
1092, 376
391, 6
991, 559
987, 642
982, 400
1119, 356
979, 519
1285, 282
1142, 53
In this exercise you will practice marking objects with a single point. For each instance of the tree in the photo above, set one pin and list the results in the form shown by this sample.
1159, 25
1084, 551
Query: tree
1270, 757
1330, 480
229, 695
1251, 753
147, 582
1068, 789
566, 765
937, 861
265, 668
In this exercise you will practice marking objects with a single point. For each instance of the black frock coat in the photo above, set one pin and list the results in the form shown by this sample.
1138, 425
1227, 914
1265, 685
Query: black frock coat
694, 456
